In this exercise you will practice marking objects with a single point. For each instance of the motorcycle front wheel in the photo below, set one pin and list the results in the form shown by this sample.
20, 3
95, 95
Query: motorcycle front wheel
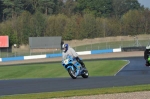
72, 73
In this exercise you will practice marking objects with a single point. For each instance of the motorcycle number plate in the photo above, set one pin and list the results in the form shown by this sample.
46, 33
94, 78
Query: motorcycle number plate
66, 61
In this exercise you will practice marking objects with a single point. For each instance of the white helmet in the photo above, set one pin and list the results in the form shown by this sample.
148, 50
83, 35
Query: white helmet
65, 47
148, 47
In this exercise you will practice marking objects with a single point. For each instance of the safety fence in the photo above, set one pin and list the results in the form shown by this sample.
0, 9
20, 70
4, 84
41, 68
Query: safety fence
58, 55
81, 45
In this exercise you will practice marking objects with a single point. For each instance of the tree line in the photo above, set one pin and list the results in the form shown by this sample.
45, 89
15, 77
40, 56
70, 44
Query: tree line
71, 19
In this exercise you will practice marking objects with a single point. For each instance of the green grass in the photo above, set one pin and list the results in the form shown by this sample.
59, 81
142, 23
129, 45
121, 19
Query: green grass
51, 70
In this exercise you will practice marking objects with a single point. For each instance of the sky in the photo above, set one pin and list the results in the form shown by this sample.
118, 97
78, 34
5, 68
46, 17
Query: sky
146, 3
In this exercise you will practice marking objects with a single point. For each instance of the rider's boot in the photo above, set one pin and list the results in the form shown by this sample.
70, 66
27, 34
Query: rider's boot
81, 62
83, 65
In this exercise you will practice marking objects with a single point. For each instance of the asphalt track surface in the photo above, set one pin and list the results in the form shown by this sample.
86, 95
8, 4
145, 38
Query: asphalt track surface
135, 73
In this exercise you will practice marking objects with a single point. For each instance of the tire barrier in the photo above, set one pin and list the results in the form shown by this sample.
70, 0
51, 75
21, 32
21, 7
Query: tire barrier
129, 49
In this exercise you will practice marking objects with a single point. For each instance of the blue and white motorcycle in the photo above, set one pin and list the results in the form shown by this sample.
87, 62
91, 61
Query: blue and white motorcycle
74, 68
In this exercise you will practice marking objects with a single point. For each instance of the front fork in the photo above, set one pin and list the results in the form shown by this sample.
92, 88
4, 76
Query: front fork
77, 71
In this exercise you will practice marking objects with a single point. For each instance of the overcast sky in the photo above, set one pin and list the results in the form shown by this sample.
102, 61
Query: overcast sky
146, 3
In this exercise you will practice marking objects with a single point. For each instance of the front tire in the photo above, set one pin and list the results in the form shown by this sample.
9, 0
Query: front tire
72, 73
85, 74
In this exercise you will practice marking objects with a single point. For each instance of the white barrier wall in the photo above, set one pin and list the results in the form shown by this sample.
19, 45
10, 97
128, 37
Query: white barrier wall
117, 50
58, 55
84, 53
34, 57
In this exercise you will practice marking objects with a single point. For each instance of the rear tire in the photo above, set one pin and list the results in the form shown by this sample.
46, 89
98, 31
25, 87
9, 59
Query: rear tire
85, 74
72, 73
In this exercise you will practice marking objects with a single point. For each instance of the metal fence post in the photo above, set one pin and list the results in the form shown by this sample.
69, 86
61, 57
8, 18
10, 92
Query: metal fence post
91, 44
30, 51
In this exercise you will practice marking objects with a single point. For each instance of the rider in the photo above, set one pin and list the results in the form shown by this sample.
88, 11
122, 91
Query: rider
146, 55
67, 50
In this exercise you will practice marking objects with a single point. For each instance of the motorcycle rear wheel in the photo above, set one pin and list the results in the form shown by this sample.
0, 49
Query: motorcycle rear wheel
85, 74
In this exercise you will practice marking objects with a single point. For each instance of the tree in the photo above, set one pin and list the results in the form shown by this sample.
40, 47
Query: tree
131, 23
70, 29
25, 29
12, 8
28, 6
44, 6
145, 21
69, 8
88, 26
47, 6
56, 25
59, 5
120, 7
96, 7
1, 10
38, 24
7, 29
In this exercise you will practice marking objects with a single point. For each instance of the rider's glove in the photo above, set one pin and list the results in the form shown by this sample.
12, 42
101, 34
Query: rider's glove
78, 59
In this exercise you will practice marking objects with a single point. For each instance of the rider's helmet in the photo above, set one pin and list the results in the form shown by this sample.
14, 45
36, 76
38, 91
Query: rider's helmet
65, 47
148, 47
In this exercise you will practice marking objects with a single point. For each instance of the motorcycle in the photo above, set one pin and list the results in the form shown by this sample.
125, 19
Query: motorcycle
74, 68
148, 61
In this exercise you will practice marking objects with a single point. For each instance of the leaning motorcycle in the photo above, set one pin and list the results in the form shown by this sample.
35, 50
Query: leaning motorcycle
74, 68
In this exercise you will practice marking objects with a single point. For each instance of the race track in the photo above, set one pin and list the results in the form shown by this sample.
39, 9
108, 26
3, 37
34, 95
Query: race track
135, 67
135, 73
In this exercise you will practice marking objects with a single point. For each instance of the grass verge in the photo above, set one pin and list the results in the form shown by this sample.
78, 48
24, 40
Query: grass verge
85, 92
53, 70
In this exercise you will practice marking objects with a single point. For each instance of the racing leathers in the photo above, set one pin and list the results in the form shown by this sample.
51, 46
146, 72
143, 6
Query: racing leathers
72, 53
